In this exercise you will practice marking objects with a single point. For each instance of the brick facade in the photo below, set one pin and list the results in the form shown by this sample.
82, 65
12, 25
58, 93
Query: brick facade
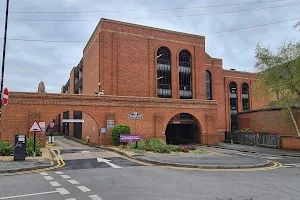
121, 59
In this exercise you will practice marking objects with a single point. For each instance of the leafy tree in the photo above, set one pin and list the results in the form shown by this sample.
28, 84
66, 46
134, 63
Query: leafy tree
279, 74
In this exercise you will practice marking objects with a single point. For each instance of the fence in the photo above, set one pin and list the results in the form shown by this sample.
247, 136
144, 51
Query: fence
255, 139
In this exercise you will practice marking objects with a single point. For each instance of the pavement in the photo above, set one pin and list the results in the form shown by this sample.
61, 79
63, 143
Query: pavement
206, 160
18, 166
258, 149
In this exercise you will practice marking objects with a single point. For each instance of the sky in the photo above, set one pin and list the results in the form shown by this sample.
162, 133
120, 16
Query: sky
29, 62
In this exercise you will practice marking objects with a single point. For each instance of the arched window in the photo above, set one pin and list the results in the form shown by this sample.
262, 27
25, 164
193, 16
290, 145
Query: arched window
208, 86
163, 72
245, 97
185, 75
233, 106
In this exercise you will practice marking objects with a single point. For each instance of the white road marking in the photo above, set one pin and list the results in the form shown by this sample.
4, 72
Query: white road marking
83, 188
27, 195
71, 199
74, 182
85, 152
54, 183
44, 173
108, 162
287, 166
62, 191
95, 197
272, 157
48, 178
65, 176
59, 172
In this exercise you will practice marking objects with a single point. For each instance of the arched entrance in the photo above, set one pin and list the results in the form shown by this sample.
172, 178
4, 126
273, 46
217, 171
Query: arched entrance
78, 124
183, 128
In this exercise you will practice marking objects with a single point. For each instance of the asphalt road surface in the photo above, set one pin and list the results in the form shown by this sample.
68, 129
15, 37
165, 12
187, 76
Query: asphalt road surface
93, 174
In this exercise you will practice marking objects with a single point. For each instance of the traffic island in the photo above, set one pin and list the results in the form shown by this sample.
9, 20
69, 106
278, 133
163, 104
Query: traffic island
7, 165
211, 160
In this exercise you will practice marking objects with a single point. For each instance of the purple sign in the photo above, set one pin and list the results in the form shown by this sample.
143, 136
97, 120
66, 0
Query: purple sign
130, 138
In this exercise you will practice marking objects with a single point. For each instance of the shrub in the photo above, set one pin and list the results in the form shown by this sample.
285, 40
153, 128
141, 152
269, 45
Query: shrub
184, 149
200, 151
163, 149
6, 149
154, 143
141, 145
243, 131
29, 147
117, 131
173, 148
192, 148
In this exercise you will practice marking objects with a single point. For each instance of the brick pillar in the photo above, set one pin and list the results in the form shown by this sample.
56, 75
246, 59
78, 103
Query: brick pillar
159, 129
105, 139
72, 81
175, 75
71, 126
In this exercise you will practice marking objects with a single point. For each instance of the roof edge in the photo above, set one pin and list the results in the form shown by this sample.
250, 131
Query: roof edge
151, 27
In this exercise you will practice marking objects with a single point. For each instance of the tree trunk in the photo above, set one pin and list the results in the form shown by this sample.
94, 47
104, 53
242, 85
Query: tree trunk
295, 123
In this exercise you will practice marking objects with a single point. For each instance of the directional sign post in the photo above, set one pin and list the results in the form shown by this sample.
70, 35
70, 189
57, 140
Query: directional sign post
35, 127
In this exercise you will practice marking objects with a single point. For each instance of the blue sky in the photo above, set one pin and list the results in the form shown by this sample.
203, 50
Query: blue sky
29, 62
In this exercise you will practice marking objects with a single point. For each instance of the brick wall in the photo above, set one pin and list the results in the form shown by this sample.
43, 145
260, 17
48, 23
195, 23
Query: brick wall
271, 121
157, 113
290, 143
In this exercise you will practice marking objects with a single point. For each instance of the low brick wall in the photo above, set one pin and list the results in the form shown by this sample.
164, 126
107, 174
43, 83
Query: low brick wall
290, 143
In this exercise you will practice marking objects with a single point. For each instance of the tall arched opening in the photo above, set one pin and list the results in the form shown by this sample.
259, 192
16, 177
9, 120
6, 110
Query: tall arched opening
183, 128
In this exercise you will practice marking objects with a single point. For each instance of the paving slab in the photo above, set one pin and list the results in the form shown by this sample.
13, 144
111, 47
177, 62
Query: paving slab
17, 166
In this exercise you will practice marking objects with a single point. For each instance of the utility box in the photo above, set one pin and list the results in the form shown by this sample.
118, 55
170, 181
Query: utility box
20, 147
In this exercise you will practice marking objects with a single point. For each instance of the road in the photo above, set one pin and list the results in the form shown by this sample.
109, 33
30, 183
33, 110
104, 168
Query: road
84, 177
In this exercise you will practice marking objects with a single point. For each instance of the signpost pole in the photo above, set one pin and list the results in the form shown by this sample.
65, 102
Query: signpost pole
4, 49
34, 145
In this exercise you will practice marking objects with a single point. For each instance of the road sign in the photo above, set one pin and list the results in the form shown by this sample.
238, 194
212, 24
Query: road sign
135, 115
35, 127
5, 96
110, 123
130, 138
103, 130
43, 126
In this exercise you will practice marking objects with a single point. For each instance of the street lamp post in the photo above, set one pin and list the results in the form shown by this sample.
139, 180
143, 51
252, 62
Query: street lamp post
4, 49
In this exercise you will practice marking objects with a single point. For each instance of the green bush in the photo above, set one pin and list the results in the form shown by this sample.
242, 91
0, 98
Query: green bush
6, 149
29, 148
200, 151
163, 149
173, 148
117, 131
141, 145
154, 143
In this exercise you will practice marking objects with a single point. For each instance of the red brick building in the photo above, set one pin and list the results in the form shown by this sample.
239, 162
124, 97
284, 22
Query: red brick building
200, 99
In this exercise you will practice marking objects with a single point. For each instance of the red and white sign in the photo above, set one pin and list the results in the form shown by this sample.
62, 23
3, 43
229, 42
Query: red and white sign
5, 96
35, 127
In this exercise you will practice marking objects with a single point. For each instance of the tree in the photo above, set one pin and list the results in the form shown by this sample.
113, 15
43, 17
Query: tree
297, 25
279, 74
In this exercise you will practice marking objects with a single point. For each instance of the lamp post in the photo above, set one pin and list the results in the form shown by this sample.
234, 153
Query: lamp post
4, 49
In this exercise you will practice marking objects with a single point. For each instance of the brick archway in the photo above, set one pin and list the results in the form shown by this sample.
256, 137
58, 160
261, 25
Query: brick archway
183, 128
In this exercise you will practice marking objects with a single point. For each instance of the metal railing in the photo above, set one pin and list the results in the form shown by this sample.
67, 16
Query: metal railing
254, 139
